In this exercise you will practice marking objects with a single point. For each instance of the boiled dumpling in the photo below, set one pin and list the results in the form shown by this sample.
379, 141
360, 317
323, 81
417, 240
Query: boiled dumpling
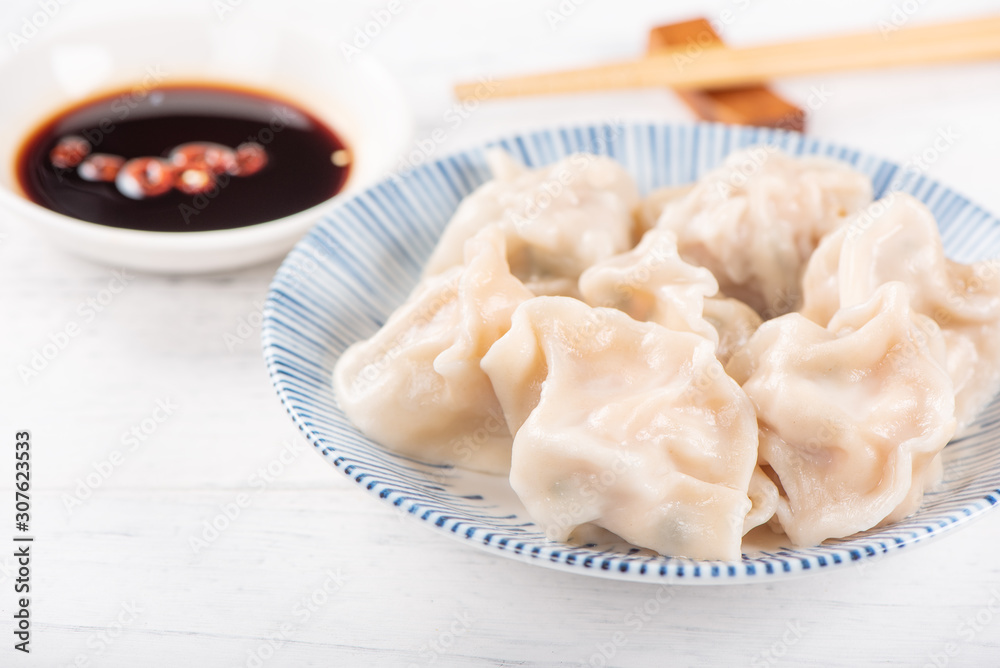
652, 283
578, 339
852, 416
763, 495
754, 222
554, 287
416, 386
897, 239
652, 205
626, 425
558, 219
734, 321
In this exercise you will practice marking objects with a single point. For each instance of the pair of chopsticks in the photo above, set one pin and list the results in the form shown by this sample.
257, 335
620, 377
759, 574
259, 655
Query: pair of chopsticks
976, 39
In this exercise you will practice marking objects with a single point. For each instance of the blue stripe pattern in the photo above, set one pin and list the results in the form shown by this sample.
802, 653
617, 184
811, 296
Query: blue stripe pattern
357, 265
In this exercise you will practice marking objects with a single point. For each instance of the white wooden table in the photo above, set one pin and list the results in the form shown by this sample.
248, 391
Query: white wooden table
308, 571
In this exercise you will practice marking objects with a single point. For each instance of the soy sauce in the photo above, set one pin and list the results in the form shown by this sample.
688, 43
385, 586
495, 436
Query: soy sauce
278, 160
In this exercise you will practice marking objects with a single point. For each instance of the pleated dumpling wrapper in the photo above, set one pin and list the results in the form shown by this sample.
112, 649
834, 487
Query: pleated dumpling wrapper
652, 283
558, 219
416, 385
755, 220
652, 205
853, 416
625, 425
897, 239
734, 321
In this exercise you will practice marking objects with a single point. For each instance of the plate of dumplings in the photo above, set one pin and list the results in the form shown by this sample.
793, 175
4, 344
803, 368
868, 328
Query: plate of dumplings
698, 354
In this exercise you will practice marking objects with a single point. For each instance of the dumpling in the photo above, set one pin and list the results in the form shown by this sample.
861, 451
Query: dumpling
554, 287
652, 283
558, 219
652, 205
852, 416
626, 425
416, 386
763, 495
897, 239
734, 321
754, 222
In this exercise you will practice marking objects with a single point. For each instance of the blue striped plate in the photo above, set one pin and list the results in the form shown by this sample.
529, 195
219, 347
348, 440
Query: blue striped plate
341, 282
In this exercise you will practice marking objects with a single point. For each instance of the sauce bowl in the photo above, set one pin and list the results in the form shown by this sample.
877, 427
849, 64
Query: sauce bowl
358, 99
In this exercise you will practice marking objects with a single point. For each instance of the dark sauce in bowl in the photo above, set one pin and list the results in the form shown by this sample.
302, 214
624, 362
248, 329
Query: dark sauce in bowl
182, 159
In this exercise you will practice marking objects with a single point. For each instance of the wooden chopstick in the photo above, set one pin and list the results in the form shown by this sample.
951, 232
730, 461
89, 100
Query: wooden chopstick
975, 39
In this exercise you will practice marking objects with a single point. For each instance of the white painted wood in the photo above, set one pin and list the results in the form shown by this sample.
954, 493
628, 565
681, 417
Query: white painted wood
405, 590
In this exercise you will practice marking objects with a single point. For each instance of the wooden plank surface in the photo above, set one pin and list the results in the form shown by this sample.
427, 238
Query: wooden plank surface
355, 585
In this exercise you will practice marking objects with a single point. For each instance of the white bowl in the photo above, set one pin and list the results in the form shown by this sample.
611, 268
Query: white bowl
358, 99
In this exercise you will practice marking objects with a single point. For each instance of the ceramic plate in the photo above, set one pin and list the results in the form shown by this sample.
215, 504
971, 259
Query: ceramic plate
341, 282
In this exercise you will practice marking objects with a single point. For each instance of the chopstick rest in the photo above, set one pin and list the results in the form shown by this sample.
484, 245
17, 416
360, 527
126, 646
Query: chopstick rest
742, 105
